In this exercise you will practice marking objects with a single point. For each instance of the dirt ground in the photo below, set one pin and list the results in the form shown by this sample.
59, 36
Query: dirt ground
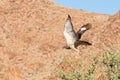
31, 37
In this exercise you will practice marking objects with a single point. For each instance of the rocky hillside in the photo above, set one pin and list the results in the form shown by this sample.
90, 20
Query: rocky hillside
31, 37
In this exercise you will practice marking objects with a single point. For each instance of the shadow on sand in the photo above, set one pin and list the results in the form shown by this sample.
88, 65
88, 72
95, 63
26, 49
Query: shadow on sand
83, 43
78, 44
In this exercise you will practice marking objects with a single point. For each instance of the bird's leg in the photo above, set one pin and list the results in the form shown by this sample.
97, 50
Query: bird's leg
66, 47
73, 47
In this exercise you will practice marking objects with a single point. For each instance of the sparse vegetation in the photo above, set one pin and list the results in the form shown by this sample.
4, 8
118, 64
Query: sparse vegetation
77, 74
110, 60
71, 75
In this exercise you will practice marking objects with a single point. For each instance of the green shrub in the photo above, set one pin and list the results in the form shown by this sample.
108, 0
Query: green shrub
72, 75
111, 59
77, 75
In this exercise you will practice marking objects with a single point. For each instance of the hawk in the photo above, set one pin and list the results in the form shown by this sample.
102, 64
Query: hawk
71, 36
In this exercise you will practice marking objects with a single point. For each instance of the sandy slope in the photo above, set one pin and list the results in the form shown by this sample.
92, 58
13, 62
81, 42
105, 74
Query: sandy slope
31, 37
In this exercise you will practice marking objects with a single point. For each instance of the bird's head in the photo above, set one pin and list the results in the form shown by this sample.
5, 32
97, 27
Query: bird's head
69, 18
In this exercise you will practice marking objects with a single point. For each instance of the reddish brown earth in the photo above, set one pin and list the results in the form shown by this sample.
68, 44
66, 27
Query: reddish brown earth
31, 38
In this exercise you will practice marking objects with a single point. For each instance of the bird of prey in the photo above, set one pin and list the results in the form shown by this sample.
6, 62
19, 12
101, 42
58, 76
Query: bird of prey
71, 36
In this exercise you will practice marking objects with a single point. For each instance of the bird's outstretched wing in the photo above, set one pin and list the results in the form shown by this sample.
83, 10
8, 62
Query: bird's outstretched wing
83, 29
